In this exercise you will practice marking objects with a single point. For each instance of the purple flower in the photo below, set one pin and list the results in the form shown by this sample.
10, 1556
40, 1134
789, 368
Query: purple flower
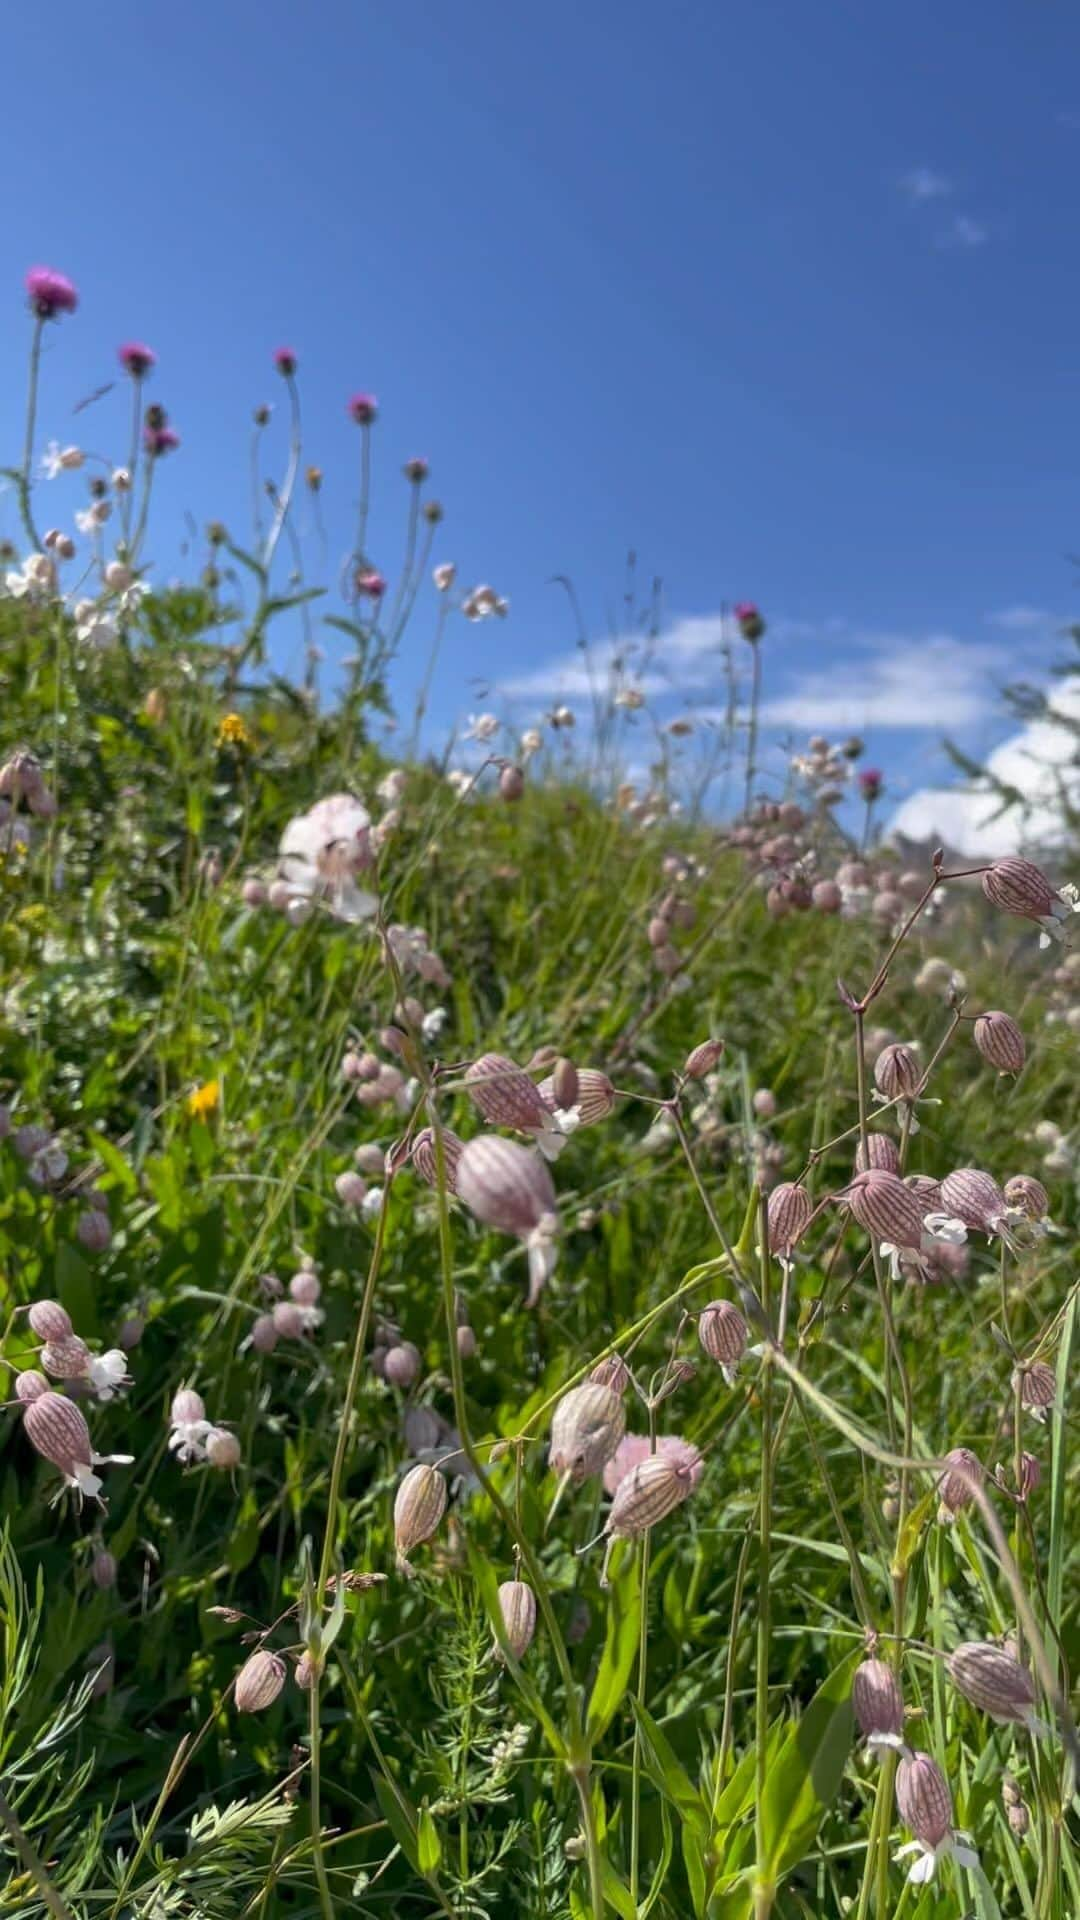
416, 470
871, 782
370, 582
748, 615
136, 358
159, 440
285, 361
51, 293
363, 408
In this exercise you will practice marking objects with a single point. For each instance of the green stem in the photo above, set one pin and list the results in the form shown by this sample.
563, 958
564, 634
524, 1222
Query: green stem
764, 1890
28, 443
31, 1860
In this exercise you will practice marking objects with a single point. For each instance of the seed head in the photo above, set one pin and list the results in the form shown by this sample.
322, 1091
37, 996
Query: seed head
49, 1320
897, 1072
1000, 1041
505, 1095
586, 1428
1018, 886
517, 1604
992, 1680
259, 1681
924, 1800
955, 1485
425, 1161
418, 1508
974, 1197
878, 1703
885, 1207
1027, 1195
787, 1212
723, 1335
880, 1151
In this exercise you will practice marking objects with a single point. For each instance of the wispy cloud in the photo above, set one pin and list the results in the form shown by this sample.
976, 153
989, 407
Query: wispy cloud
1038, 762
895, 681
922, 183
1023, 619
965, 233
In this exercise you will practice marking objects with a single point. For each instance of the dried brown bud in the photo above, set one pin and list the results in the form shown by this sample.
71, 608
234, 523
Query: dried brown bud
586, 1428
517, 1604
1000, 1041
259, 1681
418, 1508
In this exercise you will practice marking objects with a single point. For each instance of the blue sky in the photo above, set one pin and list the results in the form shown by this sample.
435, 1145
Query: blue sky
783, 297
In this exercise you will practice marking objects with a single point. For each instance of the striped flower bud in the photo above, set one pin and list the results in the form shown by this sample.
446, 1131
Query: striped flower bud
505, 1185
1038, 1388
878, 1703
703, 1058
222, 1449
880, 1152
57, 1430
259, 1681
66, 1359
1030, 1475
955, 1485
586, 1428
974, 1197
305, 1287
517, 1604
647, 1494
419, 1506
1024, 1194
402, 1364
30, 1385
49, 1320
1018, 886
103, 1569
564, 1084
371, 1159
924, 1800
425, 1161
612, 1371
306, 1672
465, 1338
350, 1188
1019, 1819
595, 1095
897, 1072
1000, 1041
788, 1209
504, 1094
927, 1191
723, 1335
885, 1207
994, 1681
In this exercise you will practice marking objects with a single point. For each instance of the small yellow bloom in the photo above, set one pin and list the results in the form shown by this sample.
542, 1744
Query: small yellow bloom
205, 1100
233, 731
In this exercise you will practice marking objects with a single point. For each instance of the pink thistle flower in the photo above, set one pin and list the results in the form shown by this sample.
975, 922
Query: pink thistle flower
636, 1447
751, 623
136, 358
285, 362
50, 293
160, 440
871, 783
363, 408
371, 583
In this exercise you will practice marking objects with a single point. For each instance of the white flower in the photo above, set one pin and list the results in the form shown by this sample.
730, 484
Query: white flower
567, 1119
35, 580
924, 1866
460, 780
631, 698
90, 518
48, 1167
323, 850
543, 1256
107, 1373
482, 726
943, 1227
371, 1204
121, 480
57, 459
561, 717
392, 786
444, 576
94, 626
531, 742
188, 1439
85, 1482
133, 596
433, 1023
1055, 924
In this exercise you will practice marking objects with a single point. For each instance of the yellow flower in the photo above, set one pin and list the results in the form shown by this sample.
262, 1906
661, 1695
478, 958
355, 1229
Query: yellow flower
233, 731
205, 1100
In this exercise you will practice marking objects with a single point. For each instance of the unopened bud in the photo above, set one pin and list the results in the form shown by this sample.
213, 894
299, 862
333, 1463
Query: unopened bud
955, 1487
103, 1569
993, 1680
517, 1604
897, 1072
418, 1508
879, 1151
586, 1428
222, 1449
505, 1095
259, 1681
66, 1359
878, 1703
612, 1371
723, 1334
1000, 1041
924, 1800
886, 1208
425, 1157
703, 1058
402, 1364
49, 1320
788, 1210
1018, 886
594, 1100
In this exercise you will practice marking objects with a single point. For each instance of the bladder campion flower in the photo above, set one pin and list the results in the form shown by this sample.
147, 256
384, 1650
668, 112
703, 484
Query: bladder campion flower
925, 1803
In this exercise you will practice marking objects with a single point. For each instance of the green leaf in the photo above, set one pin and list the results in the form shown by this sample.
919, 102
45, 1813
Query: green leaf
620, 1650
114, 1162
616, 1892
428, 1844
807, 1772
393, 1812
662, 1865
666, 1773
911, 1532
1059, 1459
75, 1288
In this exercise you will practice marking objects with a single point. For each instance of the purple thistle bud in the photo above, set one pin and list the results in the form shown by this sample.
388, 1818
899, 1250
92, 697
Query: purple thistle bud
50, 293
723, 1335
897, 1072
418, 1508
1038, 1387
595, 1096
955, 1487
880, 1151
259, 1681
50, 1321
787, 1211
974, 1197
871, 783
66, 1359
703, 1058
136, 358
402, 1364
993, 1680
611, 1372
1018, 886
103, 1569
1000, 1041
878, 1703
371, 583
586, 1428
363, 408
425, 1160
885, 1207
504, 1094
751, 624
924, 1800
1024, 1194
30, 1385
160, 440
517, 1604
285, 361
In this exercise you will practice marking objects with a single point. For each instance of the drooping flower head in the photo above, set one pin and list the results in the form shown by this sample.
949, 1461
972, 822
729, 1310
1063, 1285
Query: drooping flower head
879, 1704
50, 293
925, 1803
993, 1680
285, 361
136, 358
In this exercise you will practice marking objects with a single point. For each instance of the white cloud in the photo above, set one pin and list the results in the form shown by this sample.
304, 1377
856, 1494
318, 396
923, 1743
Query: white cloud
687, 658
922, 183
964, 232
1023, 619
1040, 762
895, 681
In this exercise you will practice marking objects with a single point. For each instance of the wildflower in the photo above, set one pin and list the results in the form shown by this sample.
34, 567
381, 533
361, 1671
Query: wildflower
511, 783
107, 1374
562, 717
723, 1334
34, 581
594, 1099
57, 1430
1038, 1388
402, 1364
188, 1425
764, 1103
233, 731
649, 1492
425, 1160
66, 1359
48, 1167
897, 1071
482, 726
57, 459
586, 1427
305, 1292
631, 698
289, 1320
507, 1097
136, 359
92, 517
955, 1487
222, 1449
263, 1337
433, 1023
509, 1187
1018, 886
751, 624
444, 576
49, 1320
103, 1569
635, 1447
517, 1606
121, 480
976, 1199
418, 1508
879, 1705
372, 1203
1000, 1041
1027, 1202
371, 583
259, 1681
30, 1386
878, 1150
94, 625
611, 1372
350, 1188
204, 1100
992, 1679
871, 784
925, 1803
285, 361
703, 1059
787, 1213
416, 470
51, 293
160, 440
363, 408
322, 852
